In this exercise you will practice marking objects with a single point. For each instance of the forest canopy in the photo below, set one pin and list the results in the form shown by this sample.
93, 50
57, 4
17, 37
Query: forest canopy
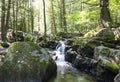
54, 16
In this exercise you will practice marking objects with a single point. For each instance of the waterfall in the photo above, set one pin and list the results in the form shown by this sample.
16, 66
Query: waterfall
59, 57
59, 53
65, 71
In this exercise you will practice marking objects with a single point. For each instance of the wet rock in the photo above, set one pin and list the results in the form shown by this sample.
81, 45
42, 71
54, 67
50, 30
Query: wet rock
25, 62
48, 44
85, 64
70, 56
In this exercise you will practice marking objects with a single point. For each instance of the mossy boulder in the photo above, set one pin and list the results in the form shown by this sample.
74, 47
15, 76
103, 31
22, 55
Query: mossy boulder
26, 62
103, 34
86, 46
108, 58
106, 34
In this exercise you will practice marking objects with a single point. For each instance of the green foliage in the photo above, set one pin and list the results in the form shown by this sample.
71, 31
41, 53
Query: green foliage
82, 18
30, 38
91, 33
82, 42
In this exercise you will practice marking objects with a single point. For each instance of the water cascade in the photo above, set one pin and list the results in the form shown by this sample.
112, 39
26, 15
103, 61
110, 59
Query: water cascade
66, 72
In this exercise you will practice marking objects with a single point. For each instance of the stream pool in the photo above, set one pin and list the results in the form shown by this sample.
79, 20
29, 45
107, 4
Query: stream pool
71, 76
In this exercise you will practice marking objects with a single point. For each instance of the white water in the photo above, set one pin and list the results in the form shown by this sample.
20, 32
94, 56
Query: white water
59, 57
65, 71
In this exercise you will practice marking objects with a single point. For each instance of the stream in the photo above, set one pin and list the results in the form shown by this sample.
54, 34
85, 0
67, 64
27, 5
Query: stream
65, 71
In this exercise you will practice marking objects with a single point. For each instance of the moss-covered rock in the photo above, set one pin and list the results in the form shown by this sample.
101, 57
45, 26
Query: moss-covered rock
108, 58
104, 34
27, 61
112, 67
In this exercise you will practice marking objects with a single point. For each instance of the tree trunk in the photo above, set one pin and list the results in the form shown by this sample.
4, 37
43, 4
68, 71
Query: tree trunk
61, 14
45, 28
32, 19
3, 28
28, 17
64, 16
39, 20
105, 13
13, 15
8, 14
53, 26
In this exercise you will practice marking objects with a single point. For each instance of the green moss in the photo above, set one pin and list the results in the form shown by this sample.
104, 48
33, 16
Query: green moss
25, 60
105, 52
87, 42
112, 67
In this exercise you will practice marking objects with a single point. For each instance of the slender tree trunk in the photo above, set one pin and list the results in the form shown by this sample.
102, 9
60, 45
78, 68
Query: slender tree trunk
13, 15
39, 20
32, 19
3, 27
16, 19
8, 14
105, 13
28, 17
64, 16
54, 31
45, 28
61, 14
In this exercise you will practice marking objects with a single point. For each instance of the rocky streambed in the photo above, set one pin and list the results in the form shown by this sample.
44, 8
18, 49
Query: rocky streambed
97, 55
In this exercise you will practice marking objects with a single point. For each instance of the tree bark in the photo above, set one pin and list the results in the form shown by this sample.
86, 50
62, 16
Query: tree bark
32, 19
61, 14
3, 27
105, 13
53, 26
64, 16
45, 28
8, 14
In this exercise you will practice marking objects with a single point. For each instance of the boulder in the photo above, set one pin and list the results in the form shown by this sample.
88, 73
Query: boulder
103, 34
27, 62
108, 58
70, 55
106, 34
108, 62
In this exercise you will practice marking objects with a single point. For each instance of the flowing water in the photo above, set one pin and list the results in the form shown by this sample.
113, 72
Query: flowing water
65, 71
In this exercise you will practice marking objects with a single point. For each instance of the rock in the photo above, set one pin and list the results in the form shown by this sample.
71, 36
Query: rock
85, 64
96, 59
70, 56
108, 61
13, 36
107, 55
106, 34
26, 62
117, 78
48, 44
5, 44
